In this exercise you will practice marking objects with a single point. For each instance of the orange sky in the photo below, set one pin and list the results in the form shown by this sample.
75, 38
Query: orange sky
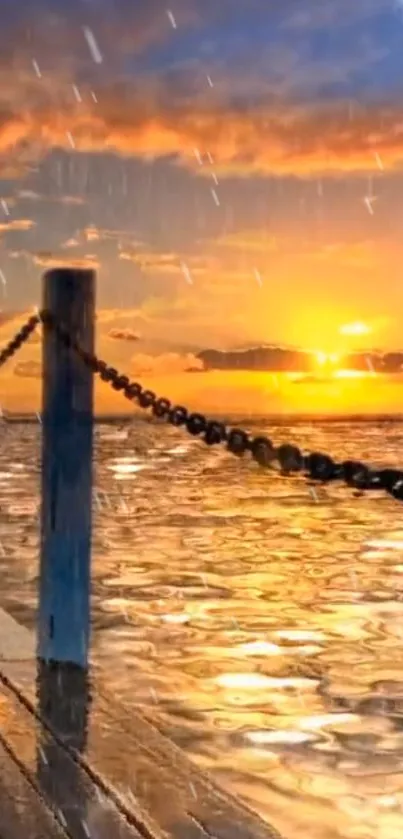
232, 172
223, 392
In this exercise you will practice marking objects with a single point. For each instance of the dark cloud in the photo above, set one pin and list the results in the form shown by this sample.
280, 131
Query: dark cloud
123, 335
279, 359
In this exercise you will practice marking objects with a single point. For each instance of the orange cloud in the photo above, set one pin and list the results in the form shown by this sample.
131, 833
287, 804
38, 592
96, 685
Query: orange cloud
278, 132
276, 135
260, 140
17, 224
51, 260
165, 363
28, 369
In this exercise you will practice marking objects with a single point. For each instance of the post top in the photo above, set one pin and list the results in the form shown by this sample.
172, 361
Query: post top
65, 272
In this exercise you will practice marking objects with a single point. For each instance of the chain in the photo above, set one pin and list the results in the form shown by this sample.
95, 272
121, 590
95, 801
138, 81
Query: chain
19, 338
315, 466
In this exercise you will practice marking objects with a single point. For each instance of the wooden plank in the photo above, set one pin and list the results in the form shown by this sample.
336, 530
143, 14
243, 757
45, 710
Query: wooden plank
22, 812
16, 642
81, 810
151, 781
166, 766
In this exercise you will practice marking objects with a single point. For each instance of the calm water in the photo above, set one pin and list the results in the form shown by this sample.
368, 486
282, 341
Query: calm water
259, 622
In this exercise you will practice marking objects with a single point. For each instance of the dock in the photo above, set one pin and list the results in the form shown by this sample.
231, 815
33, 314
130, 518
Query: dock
76, 763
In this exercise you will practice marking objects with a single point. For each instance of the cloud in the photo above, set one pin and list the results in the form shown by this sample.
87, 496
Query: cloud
165, 363
316, 14
17, 224
268, 127
52, 260
165, 263
256, 240
120, 316
277, 359
69, 200
92, 233
281, 138
258, 358
29, 195
28, 369
123, 335
20, 254
71, 243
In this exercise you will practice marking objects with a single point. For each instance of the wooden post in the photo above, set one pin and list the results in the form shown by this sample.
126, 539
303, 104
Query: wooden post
67, 436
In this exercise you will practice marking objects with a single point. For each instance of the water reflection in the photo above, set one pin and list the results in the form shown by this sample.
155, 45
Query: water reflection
259, 624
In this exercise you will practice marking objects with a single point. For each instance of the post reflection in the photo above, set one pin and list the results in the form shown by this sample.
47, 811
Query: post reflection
63, 693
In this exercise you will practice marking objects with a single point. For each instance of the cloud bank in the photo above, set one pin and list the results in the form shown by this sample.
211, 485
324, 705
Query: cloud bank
279, 359
167, 363
292, 114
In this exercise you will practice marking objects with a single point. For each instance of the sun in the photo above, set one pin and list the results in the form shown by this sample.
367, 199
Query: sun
328, 360
331, 363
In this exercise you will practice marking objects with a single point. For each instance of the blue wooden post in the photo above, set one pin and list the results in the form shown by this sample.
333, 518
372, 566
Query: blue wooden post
67, 436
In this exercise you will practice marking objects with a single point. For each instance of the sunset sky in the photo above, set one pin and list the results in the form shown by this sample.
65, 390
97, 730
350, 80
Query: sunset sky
232, 168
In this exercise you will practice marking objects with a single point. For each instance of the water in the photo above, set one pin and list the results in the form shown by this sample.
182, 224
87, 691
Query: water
257, 620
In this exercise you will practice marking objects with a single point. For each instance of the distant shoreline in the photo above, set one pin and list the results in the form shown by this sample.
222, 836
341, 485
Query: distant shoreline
255, 419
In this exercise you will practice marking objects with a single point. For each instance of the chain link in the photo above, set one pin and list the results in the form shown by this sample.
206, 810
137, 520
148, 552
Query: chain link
315, 466
19, 339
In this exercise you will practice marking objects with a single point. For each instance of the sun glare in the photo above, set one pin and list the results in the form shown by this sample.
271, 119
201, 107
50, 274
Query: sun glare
330, 360
356, 328
331, 365
354, 374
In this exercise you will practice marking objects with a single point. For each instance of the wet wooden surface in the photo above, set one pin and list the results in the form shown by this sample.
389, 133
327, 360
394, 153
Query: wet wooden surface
22, 812
57, 798
101, 769
155, 787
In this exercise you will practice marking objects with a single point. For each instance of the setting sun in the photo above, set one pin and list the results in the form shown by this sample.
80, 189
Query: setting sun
331, 366
328, 359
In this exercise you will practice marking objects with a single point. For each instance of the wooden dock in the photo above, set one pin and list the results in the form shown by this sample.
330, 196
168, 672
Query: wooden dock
75, 763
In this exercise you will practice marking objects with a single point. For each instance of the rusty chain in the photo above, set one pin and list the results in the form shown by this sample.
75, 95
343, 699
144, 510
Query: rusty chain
315, 466
19, 338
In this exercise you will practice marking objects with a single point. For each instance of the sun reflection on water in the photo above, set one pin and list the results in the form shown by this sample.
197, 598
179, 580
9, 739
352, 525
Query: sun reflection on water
258, 626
